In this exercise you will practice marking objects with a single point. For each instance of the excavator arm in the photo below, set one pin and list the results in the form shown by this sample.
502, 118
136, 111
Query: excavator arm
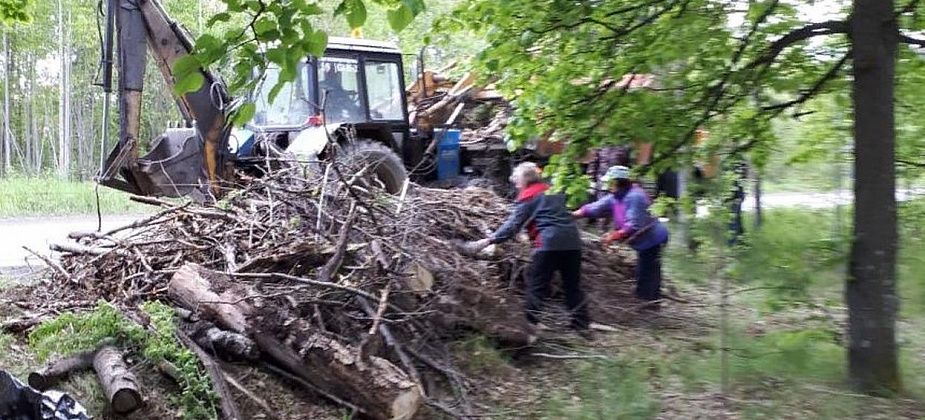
189, 161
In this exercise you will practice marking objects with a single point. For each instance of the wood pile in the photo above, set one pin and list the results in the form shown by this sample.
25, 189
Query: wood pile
356, 293
436, 99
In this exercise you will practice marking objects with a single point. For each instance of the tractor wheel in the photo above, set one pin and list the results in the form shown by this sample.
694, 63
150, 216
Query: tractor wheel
381, 161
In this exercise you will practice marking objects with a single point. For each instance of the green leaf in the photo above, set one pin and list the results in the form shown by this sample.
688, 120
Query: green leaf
400, 18
264, 25
316, 43
275, 91
186, 65
189, 83
416, 6
310, 8
355, 10
268, 36
209, 49
207, 42
277, 55
234, 5
220, 17
245, 113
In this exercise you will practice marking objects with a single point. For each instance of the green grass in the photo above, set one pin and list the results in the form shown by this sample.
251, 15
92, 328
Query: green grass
785, 359
605, 390
70, 333
21, 196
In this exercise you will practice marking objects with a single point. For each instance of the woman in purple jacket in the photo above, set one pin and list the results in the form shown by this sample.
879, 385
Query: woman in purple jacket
628, 204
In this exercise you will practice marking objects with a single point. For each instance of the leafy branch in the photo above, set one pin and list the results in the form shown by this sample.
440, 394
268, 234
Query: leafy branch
815, 89
797, 35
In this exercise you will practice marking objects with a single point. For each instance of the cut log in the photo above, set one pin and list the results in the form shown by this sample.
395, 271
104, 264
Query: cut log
192, 288
58, 370
371, 384
118, 382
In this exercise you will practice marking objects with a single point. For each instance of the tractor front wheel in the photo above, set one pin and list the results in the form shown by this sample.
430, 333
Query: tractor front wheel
377, 159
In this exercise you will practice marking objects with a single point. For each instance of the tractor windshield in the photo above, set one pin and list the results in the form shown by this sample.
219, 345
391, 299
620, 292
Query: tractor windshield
383, 87
339, 81
292, 105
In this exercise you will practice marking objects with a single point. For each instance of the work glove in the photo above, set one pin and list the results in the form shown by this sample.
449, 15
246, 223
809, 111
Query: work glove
614, 236
474, 247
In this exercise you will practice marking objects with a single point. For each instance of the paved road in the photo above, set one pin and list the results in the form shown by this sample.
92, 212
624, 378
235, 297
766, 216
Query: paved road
38, 232
819, 200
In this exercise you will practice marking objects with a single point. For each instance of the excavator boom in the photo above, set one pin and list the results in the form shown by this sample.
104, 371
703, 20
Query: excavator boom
182, 162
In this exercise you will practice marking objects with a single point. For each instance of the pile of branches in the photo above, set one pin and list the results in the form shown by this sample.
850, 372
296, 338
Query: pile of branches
354, 293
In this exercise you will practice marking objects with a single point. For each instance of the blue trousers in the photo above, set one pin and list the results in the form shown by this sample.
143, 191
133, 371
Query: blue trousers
649, 273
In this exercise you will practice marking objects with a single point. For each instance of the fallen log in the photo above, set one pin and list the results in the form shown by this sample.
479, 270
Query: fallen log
118, 382
371, 384
58, 370
23, 324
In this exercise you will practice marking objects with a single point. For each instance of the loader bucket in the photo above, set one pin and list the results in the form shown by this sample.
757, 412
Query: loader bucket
173, 168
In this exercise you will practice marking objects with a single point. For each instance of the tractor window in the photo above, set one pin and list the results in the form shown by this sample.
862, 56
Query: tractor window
338, 78
384, 91
291, 105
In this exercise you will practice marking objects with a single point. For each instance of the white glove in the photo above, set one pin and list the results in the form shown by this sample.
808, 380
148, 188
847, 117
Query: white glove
476, 246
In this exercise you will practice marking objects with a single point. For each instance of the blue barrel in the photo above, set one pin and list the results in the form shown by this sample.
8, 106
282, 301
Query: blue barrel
447, 154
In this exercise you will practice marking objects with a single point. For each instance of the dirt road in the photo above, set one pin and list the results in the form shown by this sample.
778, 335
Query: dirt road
38, 232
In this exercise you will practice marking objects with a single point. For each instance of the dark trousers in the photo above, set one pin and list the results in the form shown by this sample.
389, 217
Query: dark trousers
542, 268
649, 274
735, 223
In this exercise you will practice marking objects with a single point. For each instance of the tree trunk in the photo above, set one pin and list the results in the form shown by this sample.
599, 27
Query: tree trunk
118, 382
372, 384
759, 211
64, 147
871, 289
7, 130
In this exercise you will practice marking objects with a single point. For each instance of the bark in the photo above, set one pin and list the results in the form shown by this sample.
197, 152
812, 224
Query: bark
118, 382
7, 130
371, 384
871, 288
62, 156
56, 371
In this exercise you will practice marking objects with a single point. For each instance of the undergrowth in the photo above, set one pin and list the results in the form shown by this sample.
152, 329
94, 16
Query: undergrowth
47, 195
613, 389
70, 333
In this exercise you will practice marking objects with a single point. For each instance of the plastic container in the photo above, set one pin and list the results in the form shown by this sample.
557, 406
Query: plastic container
447, 153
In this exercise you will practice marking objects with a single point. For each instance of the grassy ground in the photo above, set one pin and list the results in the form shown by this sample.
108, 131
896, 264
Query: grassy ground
785, 336
785, 340
21, 196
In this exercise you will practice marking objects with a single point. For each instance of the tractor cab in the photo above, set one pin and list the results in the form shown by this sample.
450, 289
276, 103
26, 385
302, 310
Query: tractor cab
356, 93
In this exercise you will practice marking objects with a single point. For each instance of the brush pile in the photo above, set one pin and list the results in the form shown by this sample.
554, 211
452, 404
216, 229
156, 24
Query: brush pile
354, 292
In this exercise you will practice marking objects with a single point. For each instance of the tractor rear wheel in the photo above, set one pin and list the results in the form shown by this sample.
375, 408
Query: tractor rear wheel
377, 159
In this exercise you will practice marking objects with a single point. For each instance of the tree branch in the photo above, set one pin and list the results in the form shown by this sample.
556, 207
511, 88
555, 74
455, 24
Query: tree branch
797, 35
808, 94
645, 22
911, 163
906, 39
